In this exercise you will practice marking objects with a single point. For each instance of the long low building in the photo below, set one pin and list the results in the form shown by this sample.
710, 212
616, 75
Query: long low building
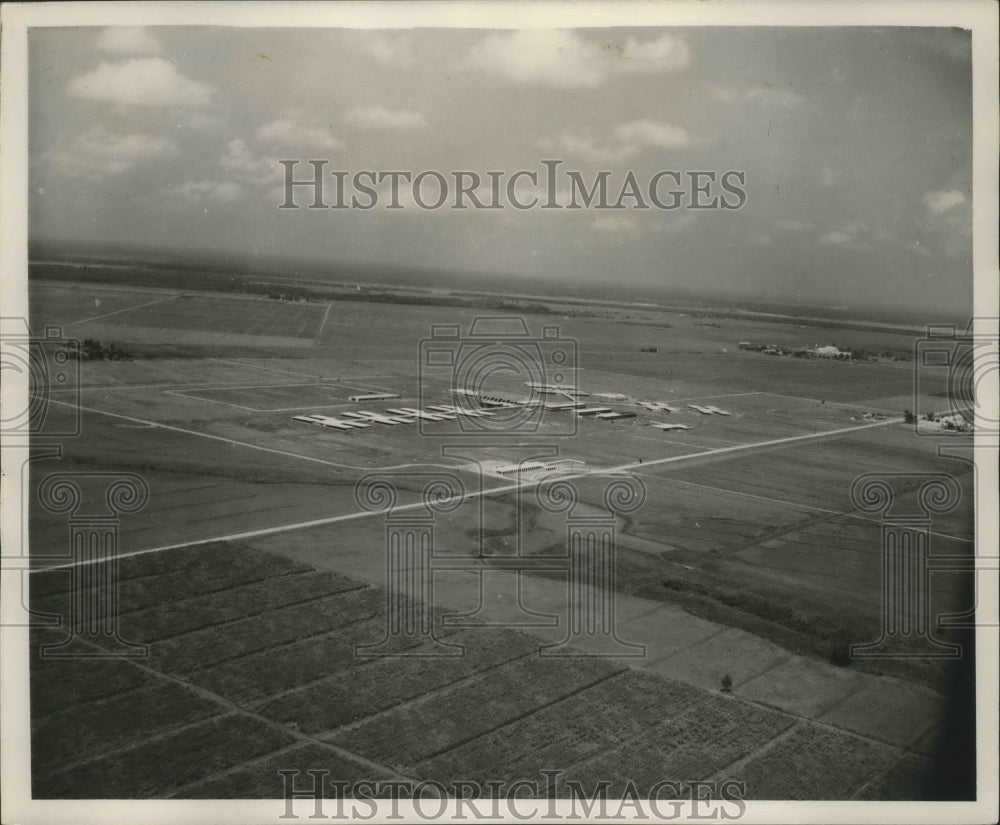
657, 405
373, 396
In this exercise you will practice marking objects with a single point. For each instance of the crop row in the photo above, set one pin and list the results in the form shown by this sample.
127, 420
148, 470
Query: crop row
359, 692
172, 574
611, 713
87, 730
63, 683
408, 735
159, 765
210, 646
174, 617
252, 679
691, 745
815, 763
262, 780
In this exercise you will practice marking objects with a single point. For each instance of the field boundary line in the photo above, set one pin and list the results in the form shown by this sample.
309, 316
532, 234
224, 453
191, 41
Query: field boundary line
727, 771
426, 696
830, 727
117, 311
213, 626
267, 577
648, 663
314, 376
672, 480
843, 514
239, 443
444, 632
823, 401
471, 495
126, 694
281, 645
224, 772
153, 738
883, 773
677, 709
213, 385
232, 708
699, 444
525, 715
185, 394
710, 397
322, 325
254, 612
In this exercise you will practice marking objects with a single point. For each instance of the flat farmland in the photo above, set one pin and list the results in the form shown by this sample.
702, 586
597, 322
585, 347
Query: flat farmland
253, 574
741, 371
571, 730
282, 397
227, 698
73, 305
820, 472
810, 764
242, 315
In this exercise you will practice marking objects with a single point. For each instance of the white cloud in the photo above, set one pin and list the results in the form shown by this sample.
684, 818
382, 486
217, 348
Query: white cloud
241, 159
128, 40
648, 133
626, 141
853, 236
143, 81
98, 151
836, 238
198, 191
379, 117
238, 155
666, 53
386, 49
943, 201
563, 58
293, 132
555, 57
949, 223
206, 122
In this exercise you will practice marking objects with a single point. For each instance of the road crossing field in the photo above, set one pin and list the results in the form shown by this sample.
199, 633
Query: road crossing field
252, 571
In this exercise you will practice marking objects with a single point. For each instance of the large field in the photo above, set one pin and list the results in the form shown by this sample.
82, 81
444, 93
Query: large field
252, 572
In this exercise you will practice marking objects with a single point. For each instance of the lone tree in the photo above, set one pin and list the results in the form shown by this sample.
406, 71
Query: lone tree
908, 417
727, 684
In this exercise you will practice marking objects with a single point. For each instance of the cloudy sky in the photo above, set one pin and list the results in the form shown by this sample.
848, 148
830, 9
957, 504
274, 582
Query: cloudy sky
855, 143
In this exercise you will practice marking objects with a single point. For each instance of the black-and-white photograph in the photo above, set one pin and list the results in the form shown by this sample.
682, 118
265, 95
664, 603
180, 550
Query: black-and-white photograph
477, 411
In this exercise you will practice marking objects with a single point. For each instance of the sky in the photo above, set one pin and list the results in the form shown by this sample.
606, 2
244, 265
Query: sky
853, 144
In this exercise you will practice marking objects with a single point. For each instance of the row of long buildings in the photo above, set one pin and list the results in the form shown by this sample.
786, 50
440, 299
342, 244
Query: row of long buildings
478, 405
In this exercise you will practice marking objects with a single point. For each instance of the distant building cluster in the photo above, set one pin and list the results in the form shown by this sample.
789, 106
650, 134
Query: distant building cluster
829, 352
953, 422
800, 352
